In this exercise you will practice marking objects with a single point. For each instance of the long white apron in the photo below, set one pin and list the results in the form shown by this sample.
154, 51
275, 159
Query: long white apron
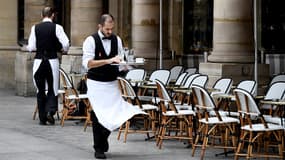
54, 63
109, 106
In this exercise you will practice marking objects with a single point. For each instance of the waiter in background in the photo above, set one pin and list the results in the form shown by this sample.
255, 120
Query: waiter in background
44, 39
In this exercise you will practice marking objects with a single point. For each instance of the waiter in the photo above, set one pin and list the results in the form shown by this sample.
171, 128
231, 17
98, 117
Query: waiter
44, 39
100, 51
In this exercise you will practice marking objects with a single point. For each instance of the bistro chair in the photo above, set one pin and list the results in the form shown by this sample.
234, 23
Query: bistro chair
255, 131
136, 76
278, 78
174, 123
224, 101
212, 127
175, 71
201, 81
130, 96
180, 80
222, 86
271, 113
179, 92
248, 85
72, 99
161, 75
191, 70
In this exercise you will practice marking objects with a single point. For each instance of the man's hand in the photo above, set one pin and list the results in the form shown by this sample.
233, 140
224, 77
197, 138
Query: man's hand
63, 52
115, 59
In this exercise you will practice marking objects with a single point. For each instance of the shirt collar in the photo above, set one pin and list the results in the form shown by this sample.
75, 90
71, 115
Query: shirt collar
100, 34
46, 19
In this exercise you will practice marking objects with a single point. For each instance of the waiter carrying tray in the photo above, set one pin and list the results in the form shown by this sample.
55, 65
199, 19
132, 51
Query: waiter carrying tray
110, 110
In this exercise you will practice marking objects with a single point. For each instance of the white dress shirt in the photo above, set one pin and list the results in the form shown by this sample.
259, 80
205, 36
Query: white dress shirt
89, 48
60, 34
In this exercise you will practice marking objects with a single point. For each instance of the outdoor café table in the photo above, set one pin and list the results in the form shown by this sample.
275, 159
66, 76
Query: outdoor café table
189, 90
232, 97
146, 86
124, 63
186, 93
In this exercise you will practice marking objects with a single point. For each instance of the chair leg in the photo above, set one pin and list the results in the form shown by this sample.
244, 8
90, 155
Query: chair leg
35, 111
163, 131
88, 120
197, 138
249, 148
241, 145
64, 115
279, 136
205, 141
126, 131
119, 132
88, 110
189, 128
159, 133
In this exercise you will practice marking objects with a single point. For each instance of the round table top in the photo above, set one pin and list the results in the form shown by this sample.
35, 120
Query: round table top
273, 102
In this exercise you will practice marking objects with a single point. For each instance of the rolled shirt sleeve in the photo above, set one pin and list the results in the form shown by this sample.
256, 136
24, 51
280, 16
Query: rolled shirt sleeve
120, 45
63, 39
88, 51
32, 40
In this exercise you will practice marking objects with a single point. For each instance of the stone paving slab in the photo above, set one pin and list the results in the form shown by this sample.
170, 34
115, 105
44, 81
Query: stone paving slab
21, 138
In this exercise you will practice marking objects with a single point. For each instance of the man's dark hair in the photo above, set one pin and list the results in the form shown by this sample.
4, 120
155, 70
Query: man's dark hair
106, 17
47, 11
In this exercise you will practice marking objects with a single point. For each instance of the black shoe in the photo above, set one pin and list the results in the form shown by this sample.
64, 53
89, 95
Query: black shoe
42, 123
50, 118
100, 155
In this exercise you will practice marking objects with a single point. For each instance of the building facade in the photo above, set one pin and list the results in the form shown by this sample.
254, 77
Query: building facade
215, 36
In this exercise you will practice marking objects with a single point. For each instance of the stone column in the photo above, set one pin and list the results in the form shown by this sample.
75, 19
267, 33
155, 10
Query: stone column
233, 44
24, 73
233, 31
145, 31
84, 19
145, 27
175, 26
8, 43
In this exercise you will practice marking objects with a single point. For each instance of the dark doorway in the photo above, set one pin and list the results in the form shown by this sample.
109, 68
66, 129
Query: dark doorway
198, 26
273, 26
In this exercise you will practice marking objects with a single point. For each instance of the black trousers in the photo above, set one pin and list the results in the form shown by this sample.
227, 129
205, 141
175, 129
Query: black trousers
46, 102
100, 135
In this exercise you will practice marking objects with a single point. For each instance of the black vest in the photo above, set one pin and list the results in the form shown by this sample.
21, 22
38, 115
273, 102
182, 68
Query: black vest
46, 40
107, 72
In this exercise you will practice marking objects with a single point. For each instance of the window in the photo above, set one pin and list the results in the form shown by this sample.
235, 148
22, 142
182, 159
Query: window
198, 26
273, 26
21, 18
63, 13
